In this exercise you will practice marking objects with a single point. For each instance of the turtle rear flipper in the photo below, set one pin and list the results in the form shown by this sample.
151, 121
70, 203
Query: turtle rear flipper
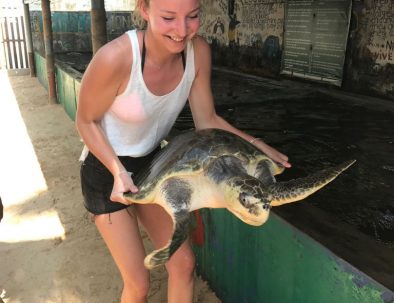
298, 189
161, 256
176, 195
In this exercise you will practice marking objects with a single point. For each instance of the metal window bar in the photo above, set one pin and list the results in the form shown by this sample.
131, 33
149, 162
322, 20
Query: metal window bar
14, 42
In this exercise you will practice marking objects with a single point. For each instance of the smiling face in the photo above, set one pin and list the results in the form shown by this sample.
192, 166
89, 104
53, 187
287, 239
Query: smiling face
247, 201
172, 22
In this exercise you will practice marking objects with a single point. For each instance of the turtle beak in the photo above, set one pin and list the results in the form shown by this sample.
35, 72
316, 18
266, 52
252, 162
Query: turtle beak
298, 189
255, 220
254, 213
247, 200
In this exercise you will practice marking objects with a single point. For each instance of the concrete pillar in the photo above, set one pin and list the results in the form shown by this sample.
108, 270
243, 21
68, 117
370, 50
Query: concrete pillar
98, 22
29, 44
48, 43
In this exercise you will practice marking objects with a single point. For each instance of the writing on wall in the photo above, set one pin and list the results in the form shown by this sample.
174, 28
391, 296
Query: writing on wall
370, 64
242, 23
214, 21
380, 31
119, 23
261, 20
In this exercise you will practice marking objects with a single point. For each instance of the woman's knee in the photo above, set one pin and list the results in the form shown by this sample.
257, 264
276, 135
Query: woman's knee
182, 262
138, 286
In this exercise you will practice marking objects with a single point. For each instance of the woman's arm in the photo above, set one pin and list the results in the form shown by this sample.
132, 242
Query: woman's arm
99, 87
202, 104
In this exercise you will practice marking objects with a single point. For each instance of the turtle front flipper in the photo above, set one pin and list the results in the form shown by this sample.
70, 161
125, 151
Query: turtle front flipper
161, 256
266, 169
298, 189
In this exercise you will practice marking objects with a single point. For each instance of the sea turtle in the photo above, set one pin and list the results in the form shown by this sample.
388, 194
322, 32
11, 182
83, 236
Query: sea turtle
213, 168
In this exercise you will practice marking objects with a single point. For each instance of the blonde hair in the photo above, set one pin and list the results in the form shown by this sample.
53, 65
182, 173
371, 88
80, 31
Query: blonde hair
138, 21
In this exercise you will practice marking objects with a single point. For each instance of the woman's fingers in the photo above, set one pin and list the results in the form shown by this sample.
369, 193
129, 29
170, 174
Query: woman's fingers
122, 183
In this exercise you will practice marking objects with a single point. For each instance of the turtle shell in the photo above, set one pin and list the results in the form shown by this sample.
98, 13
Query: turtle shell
192, 152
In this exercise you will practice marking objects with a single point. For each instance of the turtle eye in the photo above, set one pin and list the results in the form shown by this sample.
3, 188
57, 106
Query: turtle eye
243, 199
266, 206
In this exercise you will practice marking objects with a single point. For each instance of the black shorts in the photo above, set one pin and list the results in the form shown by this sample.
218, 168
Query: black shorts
97, 182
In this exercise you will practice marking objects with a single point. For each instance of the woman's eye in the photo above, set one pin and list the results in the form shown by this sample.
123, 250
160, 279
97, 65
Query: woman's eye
168, 18
194, 16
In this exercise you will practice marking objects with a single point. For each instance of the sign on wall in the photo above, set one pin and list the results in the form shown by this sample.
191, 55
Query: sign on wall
315, 39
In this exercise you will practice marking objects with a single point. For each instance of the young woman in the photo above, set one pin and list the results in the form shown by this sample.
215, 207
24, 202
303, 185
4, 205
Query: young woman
131, 94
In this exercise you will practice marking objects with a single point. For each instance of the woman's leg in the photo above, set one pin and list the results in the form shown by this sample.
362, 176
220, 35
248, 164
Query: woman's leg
121, 234
158, 225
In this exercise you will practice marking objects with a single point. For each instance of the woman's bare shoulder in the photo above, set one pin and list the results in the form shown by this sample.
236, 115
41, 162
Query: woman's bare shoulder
116, 54
200, 44
106, 73
202, 54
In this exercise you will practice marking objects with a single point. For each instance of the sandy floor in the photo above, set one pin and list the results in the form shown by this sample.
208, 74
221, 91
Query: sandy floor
50, 250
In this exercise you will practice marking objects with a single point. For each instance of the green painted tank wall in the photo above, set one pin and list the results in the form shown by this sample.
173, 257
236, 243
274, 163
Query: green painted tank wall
68, 83
40, 67
67, 90
276, 263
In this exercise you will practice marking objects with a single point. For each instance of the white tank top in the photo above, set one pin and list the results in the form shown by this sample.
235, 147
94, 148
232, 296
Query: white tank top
138, 120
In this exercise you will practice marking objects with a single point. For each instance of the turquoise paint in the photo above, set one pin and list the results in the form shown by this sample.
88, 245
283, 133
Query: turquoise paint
62, 22
79, 22
41, 72
67, 84
71, 22
71, 30
66, 92
277, 263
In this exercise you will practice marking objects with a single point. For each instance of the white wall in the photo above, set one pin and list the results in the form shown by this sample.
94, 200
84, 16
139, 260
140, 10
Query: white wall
83, 5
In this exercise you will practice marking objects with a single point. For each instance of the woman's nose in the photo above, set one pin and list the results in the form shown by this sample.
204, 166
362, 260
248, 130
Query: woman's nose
181, 28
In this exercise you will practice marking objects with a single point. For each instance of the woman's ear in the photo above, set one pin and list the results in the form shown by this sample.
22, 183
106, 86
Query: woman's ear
143, 9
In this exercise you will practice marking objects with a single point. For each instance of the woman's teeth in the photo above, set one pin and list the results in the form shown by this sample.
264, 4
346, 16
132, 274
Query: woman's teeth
177, 39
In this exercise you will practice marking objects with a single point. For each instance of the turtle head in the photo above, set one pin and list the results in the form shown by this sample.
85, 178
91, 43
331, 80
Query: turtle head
247, 200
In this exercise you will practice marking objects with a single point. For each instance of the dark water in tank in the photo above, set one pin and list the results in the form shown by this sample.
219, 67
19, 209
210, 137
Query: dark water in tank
317, 130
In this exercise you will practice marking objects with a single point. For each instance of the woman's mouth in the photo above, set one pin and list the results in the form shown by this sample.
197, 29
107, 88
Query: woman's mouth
176, 39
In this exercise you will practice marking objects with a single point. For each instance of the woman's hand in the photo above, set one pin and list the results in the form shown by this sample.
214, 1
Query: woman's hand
272, 153
122, 183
